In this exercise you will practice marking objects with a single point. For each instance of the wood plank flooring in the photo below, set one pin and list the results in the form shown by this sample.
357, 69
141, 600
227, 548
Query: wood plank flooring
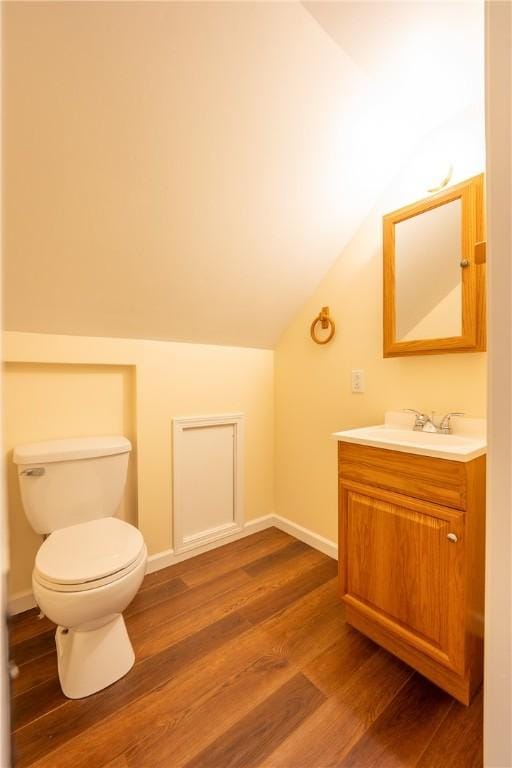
243, 659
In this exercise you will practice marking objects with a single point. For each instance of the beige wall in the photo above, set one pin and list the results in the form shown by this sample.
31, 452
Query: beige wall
312, 383
58, 386
498, 571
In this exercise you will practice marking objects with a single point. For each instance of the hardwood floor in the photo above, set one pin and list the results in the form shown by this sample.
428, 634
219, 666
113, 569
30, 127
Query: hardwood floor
243, 659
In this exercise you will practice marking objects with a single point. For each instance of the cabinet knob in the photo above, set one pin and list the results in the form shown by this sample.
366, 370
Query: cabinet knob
452, 537
13, 670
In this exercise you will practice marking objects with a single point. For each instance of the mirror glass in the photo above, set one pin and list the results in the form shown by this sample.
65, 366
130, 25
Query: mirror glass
428, 275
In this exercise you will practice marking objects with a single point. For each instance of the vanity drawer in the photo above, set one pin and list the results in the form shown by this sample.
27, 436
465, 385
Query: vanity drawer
422, 477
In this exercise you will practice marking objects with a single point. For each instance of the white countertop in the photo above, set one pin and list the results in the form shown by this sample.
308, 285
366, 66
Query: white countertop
466, 442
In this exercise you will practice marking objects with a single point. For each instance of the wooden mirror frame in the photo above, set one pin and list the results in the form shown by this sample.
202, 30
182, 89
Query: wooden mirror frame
471, 195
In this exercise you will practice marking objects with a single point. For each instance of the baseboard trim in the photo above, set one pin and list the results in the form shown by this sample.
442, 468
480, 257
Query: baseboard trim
169, 557
21, 602
314, 540
24, 601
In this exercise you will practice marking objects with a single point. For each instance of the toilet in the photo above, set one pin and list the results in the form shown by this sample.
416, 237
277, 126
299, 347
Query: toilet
91, 564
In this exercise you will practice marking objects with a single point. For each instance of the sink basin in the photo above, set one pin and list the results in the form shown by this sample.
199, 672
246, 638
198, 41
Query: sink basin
468, 444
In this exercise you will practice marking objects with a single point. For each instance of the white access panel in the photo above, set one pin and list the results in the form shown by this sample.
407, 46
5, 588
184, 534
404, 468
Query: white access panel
207, 478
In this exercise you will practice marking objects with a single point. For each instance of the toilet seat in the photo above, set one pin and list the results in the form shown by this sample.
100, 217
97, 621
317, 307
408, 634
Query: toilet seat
89, 555
88, 585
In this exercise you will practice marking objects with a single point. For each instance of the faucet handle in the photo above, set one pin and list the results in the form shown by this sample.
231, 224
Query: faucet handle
421, 418
445, 425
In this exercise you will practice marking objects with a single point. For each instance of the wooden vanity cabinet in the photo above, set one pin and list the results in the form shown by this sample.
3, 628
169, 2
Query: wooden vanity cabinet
411, 559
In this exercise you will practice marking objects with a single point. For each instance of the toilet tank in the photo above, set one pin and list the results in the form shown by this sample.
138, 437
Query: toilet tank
64, 482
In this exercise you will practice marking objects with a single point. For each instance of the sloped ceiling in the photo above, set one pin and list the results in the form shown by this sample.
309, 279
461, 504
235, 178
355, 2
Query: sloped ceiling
189, 171
426, 59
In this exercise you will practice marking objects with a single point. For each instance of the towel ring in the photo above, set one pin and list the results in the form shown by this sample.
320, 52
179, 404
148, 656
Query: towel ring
327, 322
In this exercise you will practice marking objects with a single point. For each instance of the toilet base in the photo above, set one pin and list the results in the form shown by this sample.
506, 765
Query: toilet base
89, 661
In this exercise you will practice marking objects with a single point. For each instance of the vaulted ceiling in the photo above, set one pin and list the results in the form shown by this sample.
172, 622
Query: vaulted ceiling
189, 171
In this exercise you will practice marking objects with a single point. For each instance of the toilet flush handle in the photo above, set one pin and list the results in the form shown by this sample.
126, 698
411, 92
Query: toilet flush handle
33, 472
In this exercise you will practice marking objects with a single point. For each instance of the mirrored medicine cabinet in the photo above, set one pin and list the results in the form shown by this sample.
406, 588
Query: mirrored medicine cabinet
434, 273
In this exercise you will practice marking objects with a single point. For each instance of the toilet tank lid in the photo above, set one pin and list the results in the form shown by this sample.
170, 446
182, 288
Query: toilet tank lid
70, 449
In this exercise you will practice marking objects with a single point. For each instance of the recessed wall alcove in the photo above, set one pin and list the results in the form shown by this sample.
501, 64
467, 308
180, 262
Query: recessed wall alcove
45, 401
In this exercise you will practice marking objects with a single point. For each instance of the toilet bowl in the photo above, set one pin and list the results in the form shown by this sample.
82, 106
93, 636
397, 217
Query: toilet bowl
91, 564
84, 578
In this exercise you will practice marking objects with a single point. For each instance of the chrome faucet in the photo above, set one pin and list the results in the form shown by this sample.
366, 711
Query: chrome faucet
446, 425
424, 423
420, 421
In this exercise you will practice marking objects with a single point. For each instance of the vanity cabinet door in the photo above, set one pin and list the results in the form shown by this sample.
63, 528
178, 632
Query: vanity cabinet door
401, 566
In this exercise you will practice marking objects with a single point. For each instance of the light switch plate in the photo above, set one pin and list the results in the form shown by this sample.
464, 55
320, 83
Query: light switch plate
357, 378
